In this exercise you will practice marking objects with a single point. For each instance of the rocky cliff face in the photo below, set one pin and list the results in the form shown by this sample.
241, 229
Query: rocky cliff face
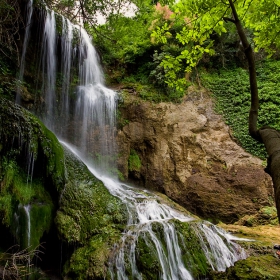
187, 152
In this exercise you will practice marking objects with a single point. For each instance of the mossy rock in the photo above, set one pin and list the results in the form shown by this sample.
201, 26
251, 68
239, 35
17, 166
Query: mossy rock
253, 268
90, 218
147, 260
192, 252
26, 140
31, 174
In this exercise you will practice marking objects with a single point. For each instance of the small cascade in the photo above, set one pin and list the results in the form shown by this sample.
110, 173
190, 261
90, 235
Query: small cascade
22, 225
28, 230
29, 12
145, 211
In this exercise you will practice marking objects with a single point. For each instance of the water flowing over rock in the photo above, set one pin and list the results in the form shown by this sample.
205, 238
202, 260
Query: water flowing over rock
159, 240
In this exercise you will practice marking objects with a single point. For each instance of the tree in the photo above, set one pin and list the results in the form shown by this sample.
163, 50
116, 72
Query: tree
206, 17
10, 20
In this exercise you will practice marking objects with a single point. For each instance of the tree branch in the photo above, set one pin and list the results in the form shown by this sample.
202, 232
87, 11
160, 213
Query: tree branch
226, 19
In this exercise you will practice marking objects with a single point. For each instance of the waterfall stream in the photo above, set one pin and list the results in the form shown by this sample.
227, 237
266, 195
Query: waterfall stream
27, 213
93, 122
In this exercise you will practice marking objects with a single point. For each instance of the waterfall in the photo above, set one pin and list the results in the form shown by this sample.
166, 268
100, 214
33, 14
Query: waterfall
93, 118
29, 11
67, 54
49, 67
145, 210
90, 129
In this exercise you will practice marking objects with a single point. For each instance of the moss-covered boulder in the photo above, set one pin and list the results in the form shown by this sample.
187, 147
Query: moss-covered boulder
90, 219
265, 216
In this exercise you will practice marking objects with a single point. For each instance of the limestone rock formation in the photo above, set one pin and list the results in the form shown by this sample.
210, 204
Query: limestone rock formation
187, 152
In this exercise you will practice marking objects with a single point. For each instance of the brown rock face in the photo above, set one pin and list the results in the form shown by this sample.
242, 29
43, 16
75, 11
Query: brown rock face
186, 152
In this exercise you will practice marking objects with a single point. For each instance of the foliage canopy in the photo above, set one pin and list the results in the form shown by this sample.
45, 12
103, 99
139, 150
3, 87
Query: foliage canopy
193, 25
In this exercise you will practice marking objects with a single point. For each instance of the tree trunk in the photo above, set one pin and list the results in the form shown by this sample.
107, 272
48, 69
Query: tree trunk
269, 136
271, 139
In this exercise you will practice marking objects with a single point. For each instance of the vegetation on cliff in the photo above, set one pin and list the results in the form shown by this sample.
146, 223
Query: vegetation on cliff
231, 91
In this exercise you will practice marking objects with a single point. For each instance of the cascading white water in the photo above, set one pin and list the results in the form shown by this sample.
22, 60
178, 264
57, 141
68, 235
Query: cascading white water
66, 61
144, 211
49, 67
95, 106
93, 119
29, 12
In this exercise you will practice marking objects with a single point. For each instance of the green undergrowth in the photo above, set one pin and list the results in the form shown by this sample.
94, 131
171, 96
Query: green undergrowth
89, 217
146, 91
231, 90
134, 161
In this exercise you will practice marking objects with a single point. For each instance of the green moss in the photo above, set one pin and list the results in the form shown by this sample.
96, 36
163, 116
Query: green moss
89, 262
134, 161
6, 208
193, 255
54, 154
31, 167
90, 217
146, 258
23, 135
29, 230
253, 268
16, 193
